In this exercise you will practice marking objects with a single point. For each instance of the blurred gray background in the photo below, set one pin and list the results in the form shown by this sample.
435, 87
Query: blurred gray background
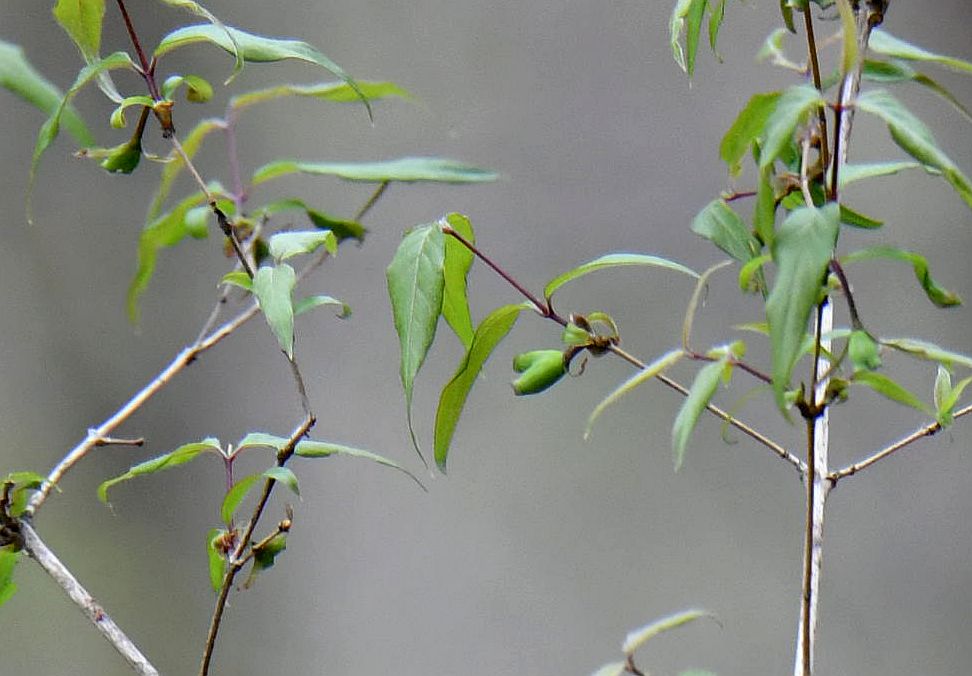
539, 550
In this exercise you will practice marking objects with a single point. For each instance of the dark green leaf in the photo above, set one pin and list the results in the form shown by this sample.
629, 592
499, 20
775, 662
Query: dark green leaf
787, 12
700, 394
488, 335
405, 169
914, 138
325, 449
936, 294
719, 224
310, 302
235, 496
179, 456
285, 476
892, 390
858, 220
883, 42
802, 251
8, 561
639, 637
339, 92
265, 556
341, 228
458, 260
81, 20
20, 78
613, 261
718, 9
273, 287
791, 109
925, 350
747, 128
284, 245
123, 158
217, 559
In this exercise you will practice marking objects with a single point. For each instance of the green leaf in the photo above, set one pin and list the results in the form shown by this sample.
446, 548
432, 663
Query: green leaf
416, 288
612, 669
858, 220
265, 556
687, 16
284, 245
325, 449
179, 456
943, 387
746, 129
792, 108
639, 637
892, 390
341, 228
262, 439
863, 351
700, 394
915, 138
754, 268
936, 294
946, 408
311, 302
929, 351
700, 287
764, 211
458, 260
786, 10
239, 279
718, 9
722, 226
50, 128
405, 169
538, 370
217, 559
198, 90
452, 400
81, 20
848, 25
254, 49
285, 476
613, 261
235, 496
897, 71
8, 561
650, 371
883, 42
18, 76
338, 92
117, 119
273, 287
802, 251
174, 163
849, 173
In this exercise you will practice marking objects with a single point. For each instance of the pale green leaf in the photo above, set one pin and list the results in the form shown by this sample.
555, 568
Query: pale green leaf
273, 287
217, 559
892, 390
722, 226
883, 42
802, 251
748, 126
262, 439
898, 71
324, 449
639, 637
792, 108
950, 401
613, 261
700, 394
943, 387
179, 456
488, 335
338, 92
936, 294
405, 169
458, 260
285, 476
239, 279
198, 10
650, 371
19, 77
284, 245
850, 173
311, 302
117, 119
929, 351
82, 20
235, 496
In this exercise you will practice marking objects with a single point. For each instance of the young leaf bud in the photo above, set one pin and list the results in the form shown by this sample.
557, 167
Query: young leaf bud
123, 159
540, 369
863, 351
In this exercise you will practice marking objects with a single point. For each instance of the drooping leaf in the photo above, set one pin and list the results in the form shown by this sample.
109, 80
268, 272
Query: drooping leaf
8, 561
452, 400
117, 118
337, 92
892, 390
700, 287
898, 71
639, 637
405, 169
786, 11
924, 350
284, 245
700, 394
914, 137
722, 226
311, 302
324, 449
687, 16
613, 261
792, 108
752, 271
235, 496
416, 287
179, 456
856, 219
198, 90
883, 42
342, 229
285, 476
936, 294
196, 9
746, 129
273, 287
217, 559
19, 77
458, 260
82, 20
849, 173
653, 369
802, 250
718, 9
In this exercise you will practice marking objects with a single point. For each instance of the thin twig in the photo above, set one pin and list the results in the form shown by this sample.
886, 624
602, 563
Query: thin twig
815, 72
926, 431
37, 550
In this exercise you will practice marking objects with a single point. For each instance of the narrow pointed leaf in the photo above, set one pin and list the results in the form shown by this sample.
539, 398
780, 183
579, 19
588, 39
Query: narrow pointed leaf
325, 449
950, 401
639, 637
235, 496
405, 169
883, 42
613, 261
311, 302
802, 250
929, 351
179, 456
216, 558
914, 137
262, 439
650, 371
273, 287
198, 10
82, 20
337, 92
687, 16
718, 8
848, 25
700, 394
792, 108
898, 71
746, 129
936, 294
700, 287
850, 173
722, 226
892, 390
19, 77
284, 245
488, 335
458, 260
943, 386
285, 476
858, 220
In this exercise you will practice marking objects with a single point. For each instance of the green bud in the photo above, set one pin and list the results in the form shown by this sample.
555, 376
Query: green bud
863, 351
123, 159
540, 369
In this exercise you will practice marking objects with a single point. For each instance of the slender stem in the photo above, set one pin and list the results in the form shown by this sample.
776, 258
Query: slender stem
926, 431
146, 66
815, 71
233, 159
375, 196
838, 270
